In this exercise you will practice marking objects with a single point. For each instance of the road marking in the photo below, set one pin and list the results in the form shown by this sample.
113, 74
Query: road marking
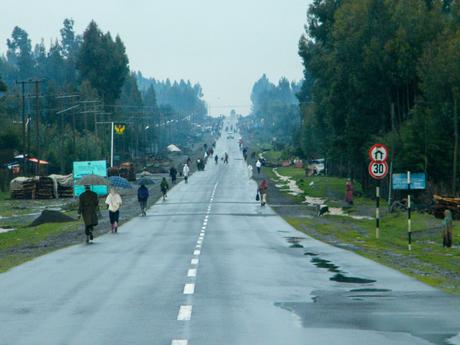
189, 289
199, 241
179, 342
191, 272
185, 313
196, 252
198, 246
203, 228
195, 261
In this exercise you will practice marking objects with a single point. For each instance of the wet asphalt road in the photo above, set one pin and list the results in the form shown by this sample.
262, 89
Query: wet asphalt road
211, 267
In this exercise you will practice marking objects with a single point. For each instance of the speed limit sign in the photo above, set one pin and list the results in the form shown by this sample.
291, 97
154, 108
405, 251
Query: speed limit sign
378, 170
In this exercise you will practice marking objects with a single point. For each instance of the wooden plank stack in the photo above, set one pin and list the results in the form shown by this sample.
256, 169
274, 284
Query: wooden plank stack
443, 203
24, 189
45, 188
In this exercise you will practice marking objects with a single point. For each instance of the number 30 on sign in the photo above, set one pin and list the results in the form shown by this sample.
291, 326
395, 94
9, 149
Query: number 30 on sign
378, 170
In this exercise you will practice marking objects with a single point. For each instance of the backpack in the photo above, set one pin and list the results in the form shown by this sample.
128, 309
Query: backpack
142, 193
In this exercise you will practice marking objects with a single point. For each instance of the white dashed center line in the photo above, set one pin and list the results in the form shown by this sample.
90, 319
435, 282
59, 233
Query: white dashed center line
196, 252
189, 289
191, 272
195, 261
185, 313
179, 342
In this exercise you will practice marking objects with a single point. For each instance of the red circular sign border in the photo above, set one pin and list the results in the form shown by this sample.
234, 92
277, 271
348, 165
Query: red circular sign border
377, 145
377, 177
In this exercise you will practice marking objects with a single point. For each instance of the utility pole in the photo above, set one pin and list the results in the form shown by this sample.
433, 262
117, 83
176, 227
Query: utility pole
23, 86
37, 125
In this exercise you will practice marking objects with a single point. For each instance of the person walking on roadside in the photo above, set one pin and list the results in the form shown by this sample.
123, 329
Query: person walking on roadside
216, 158
447, 229
173, 174
263, 189
88, 206
258, 166
164, 186
185, 172
349, 192
113, 202
142, 197
226, 158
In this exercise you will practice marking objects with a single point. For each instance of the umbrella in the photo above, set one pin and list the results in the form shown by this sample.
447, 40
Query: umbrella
145, 181
119, 182
145, 173
92, 180
173, 148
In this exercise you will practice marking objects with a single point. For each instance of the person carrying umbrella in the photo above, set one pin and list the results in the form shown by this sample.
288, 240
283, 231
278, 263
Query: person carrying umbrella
185, 172
164, 188
142, 197
113, 202
88, 206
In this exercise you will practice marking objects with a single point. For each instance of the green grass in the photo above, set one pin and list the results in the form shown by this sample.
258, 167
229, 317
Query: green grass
28, 237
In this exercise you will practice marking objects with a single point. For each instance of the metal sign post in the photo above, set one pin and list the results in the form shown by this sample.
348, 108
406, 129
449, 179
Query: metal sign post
378, 169
409, 224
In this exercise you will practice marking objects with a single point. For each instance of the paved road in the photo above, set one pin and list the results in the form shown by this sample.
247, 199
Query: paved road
211, 267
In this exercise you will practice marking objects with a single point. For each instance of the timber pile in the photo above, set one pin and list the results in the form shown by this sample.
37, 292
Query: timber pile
63, 185
23, 188
443, 203
45, 188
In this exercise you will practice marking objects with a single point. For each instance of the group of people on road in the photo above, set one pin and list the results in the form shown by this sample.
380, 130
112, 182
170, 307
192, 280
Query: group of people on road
88, 208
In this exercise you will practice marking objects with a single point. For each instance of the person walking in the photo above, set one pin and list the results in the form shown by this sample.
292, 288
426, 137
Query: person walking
173, 174
349, 192
185, 172
258, 166
263, 189
142, 197
226, 158
447, 229
216, 158
113, 202
88, 206
164, 186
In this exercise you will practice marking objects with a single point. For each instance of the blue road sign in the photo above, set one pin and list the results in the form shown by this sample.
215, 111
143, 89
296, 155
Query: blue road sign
418, 181
81, 169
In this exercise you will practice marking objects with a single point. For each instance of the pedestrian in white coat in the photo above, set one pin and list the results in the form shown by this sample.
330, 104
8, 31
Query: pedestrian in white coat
185, 172
250, 171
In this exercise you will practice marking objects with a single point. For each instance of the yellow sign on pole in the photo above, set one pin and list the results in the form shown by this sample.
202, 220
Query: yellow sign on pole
119, 128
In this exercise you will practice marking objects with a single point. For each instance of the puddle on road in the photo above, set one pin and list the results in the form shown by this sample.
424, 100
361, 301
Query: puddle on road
341, 278
321, 263
431, 316
295, 241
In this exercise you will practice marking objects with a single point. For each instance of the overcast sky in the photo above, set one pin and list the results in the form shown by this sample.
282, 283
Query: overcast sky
224, 45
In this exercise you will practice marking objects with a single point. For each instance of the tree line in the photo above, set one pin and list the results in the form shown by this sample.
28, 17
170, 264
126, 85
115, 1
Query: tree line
275, 111
87, 79
382, 71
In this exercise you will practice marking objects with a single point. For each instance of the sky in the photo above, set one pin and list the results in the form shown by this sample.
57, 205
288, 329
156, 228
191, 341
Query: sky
224, 45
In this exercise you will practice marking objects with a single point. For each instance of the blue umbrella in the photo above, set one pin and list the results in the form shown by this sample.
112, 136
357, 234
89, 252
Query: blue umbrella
145, 181
119, 182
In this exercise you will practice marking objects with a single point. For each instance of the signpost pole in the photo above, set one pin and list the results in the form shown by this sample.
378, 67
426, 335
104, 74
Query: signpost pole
111, 145
409, 224
377, 210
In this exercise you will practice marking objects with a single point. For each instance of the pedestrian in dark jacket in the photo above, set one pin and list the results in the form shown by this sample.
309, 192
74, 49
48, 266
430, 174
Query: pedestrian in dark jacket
164, 186
173, 174
142, 197
87, 208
